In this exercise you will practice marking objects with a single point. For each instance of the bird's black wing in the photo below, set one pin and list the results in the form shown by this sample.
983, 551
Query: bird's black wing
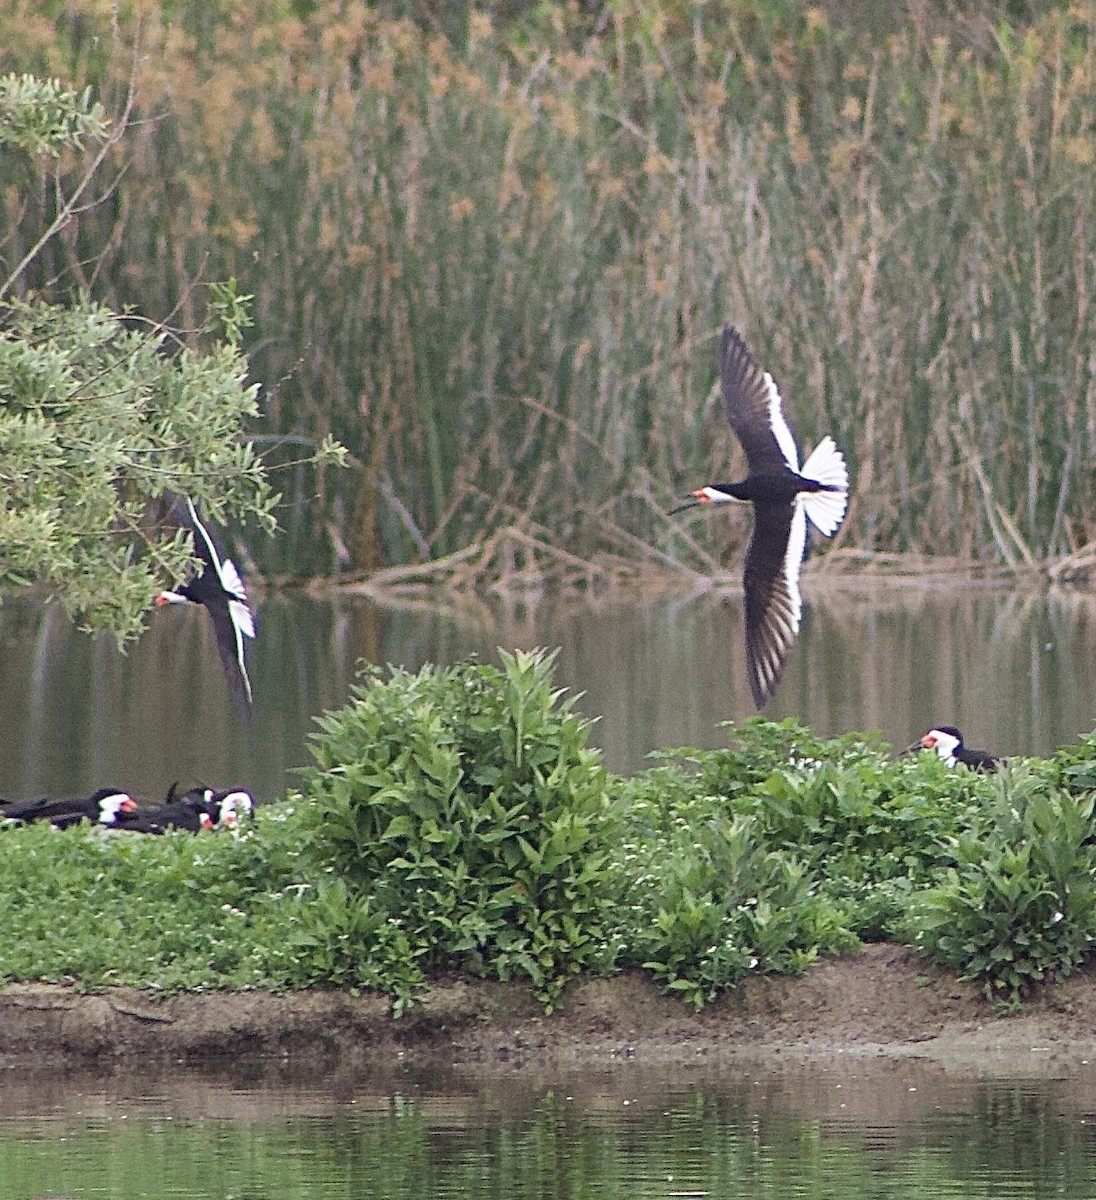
19, 810
753, 407
159, 818
44, 809
771, 583
230, 646
978, 760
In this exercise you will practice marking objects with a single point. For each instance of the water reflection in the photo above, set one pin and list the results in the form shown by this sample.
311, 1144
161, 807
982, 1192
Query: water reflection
860, 1128
1006, 666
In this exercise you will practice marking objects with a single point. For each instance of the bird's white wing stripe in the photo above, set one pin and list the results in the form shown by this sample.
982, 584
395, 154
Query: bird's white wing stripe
237, 631
242, 618
793, 560
200, 529
779, 426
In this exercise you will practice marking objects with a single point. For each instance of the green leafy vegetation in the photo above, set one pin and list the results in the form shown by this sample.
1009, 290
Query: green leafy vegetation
98, 418
169, 913
464, 804
1019, 905
42, 116
456, 820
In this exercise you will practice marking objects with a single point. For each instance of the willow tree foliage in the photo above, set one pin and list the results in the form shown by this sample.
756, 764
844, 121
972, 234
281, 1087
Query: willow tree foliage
103, 413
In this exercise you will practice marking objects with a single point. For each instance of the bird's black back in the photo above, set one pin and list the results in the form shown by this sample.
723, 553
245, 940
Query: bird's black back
174, 814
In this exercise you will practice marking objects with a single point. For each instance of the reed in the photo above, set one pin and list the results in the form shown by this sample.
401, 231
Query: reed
493, 260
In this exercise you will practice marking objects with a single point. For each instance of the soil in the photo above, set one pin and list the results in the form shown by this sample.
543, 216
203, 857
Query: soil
885, 1002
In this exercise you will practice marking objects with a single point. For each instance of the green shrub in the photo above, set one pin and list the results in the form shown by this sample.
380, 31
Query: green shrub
1074, 767
466, 804
705, 897
719, 904
869, 828
338, 938
458, 821
1019, 905
169, 913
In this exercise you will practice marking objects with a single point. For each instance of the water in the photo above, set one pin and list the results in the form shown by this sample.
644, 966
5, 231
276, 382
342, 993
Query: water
858, 1129
1003, 665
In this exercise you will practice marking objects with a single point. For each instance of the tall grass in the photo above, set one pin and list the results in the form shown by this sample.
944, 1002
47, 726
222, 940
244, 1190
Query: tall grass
494, 259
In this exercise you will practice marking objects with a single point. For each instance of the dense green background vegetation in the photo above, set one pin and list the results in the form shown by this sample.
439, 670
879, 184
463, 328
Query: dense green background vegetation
455, 819
491, 247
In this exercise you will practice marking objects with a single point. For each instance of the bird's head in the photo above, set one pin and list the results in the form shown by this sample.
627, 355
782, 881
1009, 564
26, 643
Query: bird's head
235, 804
113, 805
944, 739
704, 495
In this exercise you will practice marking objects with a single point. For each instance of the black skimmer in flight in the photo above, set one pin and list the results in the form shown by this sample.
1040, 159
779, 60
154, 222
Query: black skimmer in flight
221, 591
947, 741
784, 496
107, 806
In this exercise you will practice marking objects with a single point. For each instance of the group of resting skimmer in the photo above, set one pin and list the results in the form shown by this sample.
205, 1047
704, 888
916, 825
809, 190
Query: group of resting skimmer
199, 808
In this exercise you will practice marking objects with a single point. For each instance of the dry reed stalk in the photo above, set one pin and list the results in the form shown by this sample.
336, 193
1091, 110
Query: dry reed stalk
497, 270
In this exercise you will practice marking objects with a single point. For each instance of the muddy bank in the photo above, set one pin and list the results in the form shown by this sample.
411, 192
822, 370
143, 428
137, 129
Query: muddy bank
885, 1002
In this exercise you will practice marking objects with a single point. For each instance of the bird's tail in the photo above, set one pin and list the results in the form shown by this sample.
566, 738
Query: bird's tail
826, 465
242, 616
